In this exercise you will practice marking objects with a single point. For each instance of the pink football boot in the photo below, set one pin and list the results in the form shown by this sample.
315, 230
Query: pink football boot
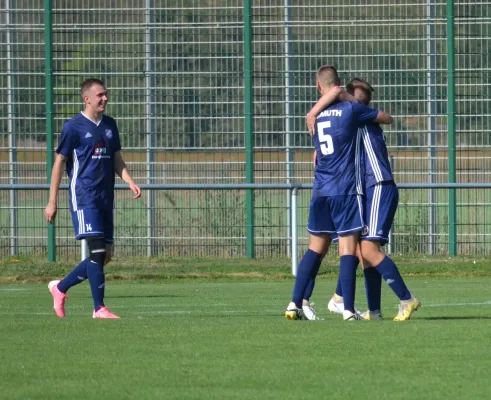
58, 298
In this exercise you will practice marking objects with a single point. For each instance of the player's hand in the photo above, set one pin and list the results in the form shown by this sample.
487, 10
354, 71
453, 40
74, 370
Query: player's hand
136, 190
50, 212
310, 120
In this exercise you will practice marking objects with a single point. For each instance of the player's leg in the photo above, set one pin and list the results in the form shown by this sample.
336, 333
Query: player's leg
380, 223
101, 254
95, 273
348, 264
307, 269
373, 290
319, 228
79, 273
318, 245
336, 304
59, 288
311, 284
84, 226
372, 279
390, 273
95, 270
347, 215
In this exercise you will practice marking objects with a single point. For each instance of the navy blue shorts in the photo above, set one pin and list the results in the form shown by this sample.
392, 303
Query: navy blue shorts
335, 214
93, 222
380, 209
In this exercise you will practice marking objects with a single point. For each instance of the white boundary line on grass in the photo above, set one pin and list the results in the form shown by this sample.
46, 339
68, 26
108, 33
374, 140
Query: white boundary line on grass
11, 311
176, 312
228, 312
485, 303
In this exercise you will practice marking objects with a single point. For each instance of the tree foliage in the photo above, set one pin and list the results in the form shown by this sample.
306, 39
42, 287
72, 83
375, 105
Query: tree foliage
198, 66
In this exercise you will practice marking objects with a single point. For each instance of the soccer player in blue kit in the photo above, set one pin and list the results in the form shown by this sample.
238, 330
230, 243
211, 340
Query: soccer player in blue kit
336, 204
90, 151
380, 206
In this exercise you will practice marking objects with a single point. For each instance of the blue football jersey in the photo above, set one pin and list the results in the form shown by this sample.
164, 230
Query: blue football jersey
338, 148
376, 158
90, 149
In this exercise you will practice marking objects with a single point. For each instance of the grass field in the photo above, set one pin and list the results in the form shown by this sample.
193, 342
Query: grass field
214, 329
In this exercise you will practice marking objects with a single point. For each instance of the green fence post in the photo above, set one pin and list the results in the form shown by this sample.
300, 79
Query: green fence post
48, 63
452, 164
249, 130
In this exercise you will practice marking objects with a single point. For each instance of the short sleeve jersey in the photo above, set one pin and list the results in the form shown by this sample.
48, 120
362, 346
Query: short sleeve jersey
90, 149
338, 147
375, 155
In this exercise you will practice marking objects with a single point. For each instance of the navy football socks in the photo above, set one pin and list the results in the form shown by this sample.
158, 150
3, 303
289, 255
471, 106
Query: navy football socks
339, 289
347, 275
95, 273
308, 266
76, 276
311, 283
373, 288
391, 275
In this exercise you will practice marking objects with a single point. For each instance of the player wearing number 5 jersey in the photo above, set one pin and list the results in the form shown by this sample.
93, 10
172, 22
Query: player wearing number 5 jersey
380, 207
336, 206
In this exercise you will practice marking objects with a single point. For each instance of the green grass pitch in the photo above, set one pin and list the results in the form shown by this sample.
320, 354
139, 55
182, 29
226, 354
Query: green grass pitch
206, 338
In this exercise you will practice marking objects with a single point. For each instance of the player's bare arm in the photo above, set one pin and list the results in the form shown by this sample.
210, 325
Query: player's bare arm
335, 93
124, 174
56, 175
384, 118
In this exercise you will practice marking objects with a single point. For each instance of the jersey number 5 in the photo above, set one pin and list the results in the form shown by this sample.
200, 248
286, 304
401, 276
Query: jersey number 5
325, 140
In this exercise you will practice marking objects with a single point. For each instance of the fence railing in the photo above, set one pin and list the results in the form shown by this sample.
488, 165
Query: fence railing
206, 93
292, 236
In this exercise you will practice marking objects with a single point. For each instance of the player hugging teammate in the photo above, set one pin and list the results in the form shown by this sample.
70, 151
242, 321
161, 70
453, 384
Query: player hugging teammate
354, 200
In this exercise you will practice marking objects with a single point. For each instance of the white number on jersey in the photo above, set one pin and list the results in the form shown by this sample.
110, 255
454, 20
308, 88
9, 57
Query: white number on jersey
325, 140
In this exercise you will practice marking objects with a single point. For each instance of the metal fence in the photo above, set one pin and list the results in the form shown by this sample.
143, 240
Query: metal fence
216, 92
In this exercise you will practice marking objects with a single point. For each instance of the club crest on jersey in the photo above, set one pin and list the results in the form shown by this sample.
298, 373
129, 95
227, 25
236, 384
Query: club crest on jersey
109, 133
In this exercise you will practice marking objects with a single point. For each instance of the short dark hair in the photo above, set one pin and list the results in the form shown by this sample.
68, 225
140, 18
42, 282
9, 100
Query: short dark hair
88, 83
360, 83
327, 75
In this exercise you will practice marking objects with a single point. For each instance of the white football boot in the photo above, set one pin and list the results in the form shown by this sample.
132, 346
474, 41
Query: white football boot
336, 308
309, 312
349, 316
293, 312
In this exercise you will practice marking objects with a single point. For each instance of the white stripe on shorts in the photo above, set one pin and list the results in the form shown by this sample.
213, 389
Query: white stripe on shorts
80, 226
360, 209
374, 210
83, 220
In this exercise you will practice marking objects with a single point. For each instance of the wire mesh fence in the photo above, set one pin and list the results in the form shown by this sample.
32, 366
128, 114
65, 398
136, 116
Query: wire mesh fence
175, 75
